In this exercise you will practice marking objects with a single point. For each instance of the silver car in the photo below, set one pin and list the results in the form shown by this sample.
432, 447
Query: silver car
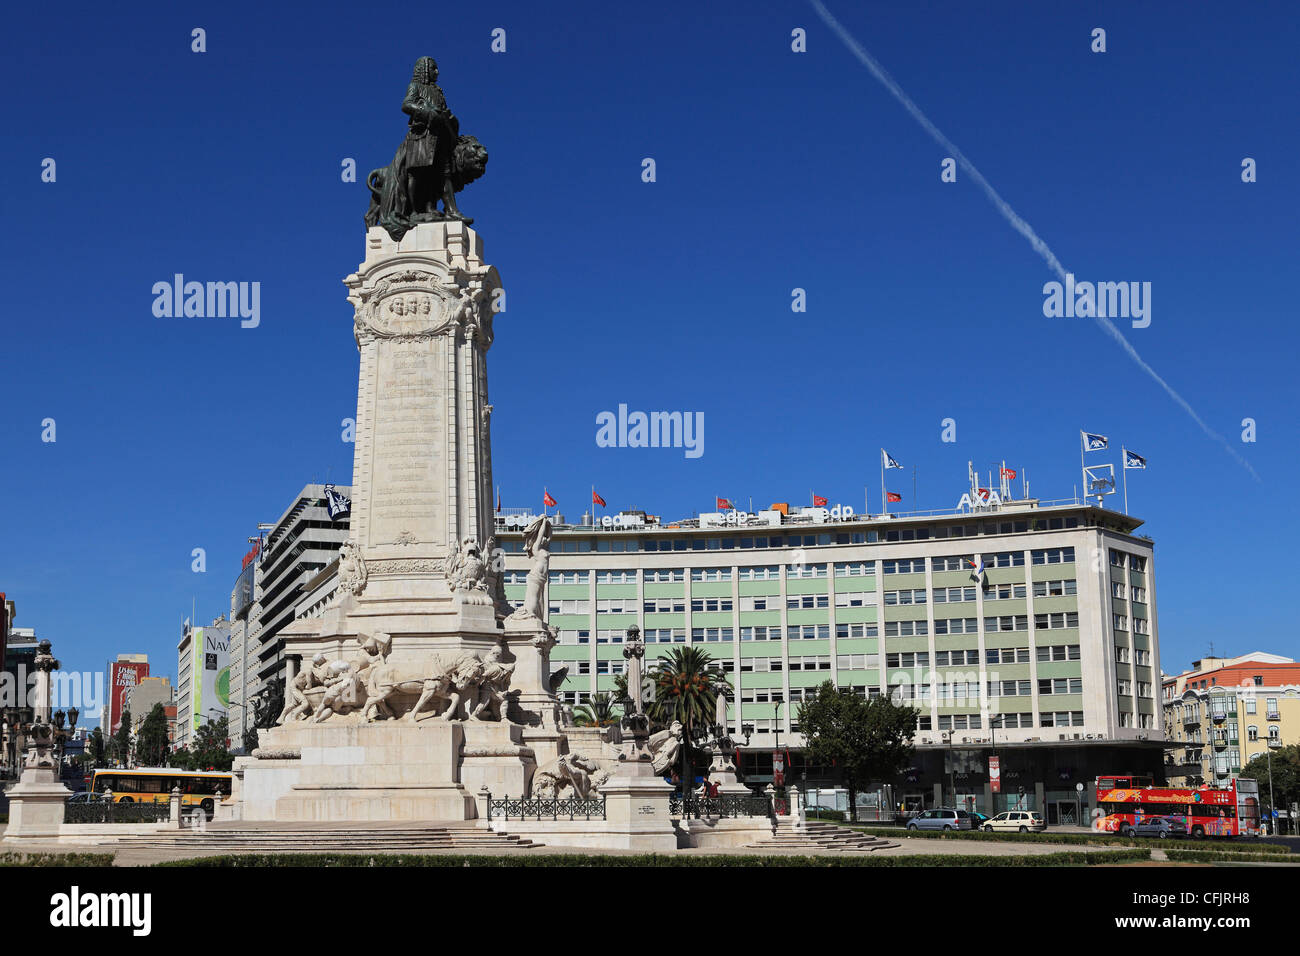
941, 819
1162, 827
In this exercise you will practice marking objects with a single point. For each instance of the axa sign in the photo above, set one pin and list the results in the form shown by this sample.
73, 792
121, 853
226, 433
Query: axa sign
984, 498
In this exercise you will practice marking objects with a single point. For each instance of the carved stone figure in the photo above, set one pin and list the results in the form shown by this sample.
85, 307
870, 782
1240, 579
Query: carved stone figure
346, 687
665, 747
494, 686
537, 545
496, 588
40, 747
567, 771
455, 686
297, 705
352, 569
434, 162
634, 652
466, 573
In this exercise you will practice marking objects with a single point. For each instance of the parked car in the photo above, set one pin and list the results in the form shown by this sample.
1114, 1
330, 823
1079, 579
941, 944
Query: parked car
940, 819
85, 796
1021, 821
1162, 827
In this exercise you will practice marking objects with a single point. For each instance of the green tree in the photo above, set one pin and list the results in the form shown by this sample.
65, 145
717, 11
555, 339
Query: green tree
151, 743
97, 749
121, 747
1286, 778
182, 758
599, 712
687, 682
864, 740
212, 746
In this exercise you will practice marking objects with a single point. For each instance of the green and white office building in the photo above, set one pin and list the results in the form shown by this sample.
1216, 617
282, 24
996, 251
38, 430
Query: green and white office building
1022, 630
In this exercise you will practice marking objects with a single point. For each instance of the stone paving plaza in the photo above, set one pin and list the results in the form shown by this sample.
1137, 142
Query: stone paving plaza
144, 856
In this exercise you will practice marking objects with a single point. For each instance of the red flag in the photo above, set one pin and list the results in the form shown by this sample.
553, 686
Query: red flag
893, 496
819, 501
1009, 473
723, 503
597, 499
547, 499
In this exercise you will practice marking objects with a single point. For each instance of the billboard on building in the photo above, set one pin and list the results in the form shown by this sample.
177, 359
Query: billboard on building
244, 586
122, 677
210, 673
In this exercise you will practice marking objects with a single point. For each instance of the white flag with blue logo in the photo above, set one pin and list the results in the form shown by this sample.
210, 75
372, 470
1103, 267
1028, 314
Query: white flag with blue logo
338, 505
1133, 460
889, 459
1093, 442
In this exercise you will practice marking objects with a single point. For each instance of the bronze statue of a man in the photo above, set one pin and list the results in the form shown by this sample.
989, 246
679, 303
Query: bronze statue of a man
433, 163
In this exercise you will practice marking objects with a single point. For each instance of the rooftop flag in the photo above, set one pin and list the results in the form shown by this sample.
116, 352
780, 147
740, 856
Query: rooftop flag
597, 499
889, 460
819, 501
1093, 442
894, 496
547, 500
1009, 474
338, 505
1133, 460
723, 504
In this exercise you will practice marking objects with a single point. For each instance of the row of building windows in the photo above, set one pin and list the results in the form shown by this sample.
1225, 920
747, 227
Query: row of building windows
1122, 559
1140, 657
569, 544
800, 570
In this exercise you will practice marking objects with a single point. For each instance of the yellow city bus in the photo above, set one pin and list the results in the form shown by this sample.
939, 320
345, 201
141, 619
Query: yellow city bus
154, 785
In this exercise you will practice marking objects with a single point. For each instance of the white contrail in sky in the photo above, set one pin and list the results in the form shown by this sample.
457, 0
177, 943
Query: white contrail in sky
1018, 224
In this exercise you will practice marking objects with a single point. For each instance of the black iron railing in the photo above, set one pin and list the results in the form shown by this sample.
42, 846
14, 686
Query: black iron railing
723, 805
540, 808
101, 811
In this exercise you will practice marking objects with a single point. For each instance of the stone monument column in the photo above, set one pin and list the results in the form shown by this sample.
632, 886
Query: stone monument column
414, 703
36, 801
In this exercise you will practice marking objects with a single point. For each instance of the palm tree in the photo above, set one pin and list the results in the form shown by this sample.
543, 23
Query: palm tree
599, 712
687, 684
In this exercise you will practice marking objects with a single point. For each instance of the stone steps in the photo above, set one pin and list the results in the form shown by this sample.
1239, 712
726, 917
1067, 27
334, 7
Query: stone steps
823, 836
329, 840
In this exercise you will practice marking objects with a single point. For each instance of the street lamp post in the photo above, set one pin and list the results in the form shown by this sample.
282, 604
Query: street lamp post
1272, 807
952, 778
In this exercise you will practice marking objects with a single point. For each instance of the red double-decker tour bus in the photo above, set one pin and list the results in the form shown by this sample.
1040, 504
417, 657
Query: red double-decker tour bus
1232, 810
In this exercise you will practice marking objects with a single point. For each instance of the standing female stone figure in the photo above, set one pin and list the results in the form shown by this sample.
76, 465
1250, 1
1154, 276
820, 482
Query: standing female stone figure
537, 545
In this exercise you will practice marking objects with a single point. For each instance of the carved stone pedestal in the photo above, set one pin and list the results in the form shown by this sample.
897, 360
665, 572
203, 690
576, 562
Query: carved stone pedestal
388, 771
636, 809
36, 805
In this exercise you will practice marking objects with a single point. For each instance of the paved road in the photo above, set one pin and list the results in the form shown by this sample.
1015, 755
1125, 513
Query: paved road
145, 856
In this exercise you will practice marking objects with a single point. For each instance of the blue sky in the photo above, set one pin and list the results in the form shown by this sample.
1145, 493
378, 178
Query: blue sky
775, 170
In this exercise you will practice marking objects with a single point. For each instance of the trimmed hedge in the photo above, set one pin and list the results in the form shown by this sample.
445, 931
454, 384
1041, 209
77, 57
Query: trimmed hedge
1069, 839
1222, 856
56, 859
834, 816
258, 860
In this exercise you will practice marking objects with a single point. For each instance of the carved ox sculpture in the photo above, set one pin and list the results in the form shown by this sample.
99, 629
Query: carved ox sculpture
450, 679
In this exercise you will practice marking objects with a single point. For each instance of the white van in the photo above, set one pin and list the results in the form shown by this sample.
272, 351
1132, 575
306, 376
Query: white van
1022, 821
